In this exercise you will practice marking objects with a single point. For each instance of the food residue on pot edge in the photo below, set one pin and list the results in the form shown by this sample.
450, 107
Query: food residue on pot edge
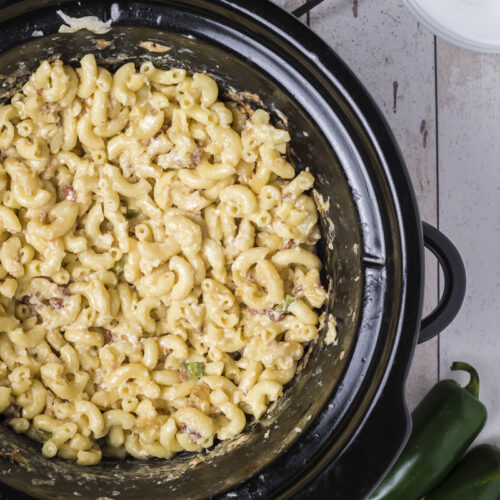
154, 46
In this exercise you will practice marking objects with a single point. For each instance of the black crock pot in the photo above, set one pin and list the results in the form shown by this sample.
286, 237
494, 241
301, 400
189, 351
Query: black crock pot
343, 420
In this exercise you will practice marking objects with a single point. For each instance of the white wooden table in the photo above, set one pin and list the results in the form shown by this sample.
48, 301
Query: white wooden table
443, 104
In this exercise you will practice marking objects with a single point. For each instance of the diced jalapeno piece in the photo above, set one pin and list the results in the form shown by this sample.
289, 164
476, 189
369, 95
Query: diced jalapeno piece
283, 307
118, 267
43, 435
194, 369
126, 211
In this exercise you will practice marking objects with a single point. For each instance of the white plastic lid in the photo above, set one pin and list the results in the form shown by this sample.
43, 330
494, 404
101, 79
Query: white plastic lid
472, 24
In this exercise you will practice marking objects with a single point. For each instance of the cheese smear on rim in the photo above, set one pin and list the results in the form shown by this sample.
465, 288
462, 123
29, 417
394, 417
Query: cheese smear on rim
91, 23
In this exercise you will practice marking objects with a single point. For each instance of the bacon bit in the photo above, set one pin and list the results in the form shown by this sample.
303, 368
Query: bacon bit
56, 303
183, 375
50, 400
48, 107
297, 289
272, 315
313, 238
60, 124
193, 435
153, 111
157, 135
199, 395
196, 158
68, 192
174, 158
108, 337
288, 244
101, 43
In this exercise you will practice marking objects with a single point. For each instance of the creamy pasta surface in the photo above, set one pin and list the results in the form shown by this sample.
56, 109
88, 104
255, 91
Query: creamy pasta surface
158, 279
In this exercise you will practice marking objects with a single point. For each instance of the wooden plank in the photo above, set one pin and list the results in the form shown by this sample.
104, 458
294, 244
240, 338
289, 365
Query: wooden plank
394, 58
290, 5
469, 174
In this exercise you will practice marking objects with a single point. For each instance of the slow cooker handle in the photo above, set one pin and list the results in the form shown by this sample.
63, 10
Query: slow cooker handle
306, 7
454, 283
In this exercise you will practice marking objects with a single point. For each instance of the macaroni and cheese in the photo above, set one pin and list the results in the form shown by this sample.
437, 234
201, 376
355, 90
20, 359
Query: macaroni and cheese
158, 279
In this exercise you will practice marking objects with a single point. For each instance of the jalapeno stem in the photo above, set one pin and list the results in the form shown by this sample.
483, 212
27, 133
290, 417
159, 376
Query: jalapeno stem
473, 385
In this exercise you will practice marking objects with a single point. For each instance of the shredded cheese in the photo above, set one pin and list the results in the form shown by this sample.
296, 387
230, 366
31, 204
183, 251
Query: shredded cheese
91, 23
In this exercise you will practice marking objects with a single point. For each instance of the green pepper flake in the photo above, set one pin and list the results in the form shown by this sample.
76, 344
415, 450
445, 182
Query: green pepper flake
283, 307
126, 211
118, 267
43, 435
194, 369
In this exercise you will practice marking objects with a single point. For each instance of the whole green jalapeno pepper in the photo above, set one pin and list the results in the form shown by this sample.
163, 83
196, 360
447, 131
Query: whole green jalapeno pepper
445, 423
476, 477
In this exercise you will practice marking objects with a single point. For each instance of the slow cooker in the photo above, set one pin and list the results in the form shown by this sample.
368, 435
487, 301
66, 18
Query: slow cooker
343, 419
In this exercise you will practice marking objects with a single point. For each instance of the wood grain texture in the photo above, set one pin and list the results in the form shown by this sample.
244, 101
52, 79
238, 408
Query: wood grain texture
290, 5
469, 153
394, 58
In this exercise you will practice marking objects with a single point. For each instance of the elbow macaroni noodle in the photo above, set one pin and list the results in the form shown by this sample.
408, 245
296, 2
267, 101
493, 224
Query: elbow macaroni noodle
158, 279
